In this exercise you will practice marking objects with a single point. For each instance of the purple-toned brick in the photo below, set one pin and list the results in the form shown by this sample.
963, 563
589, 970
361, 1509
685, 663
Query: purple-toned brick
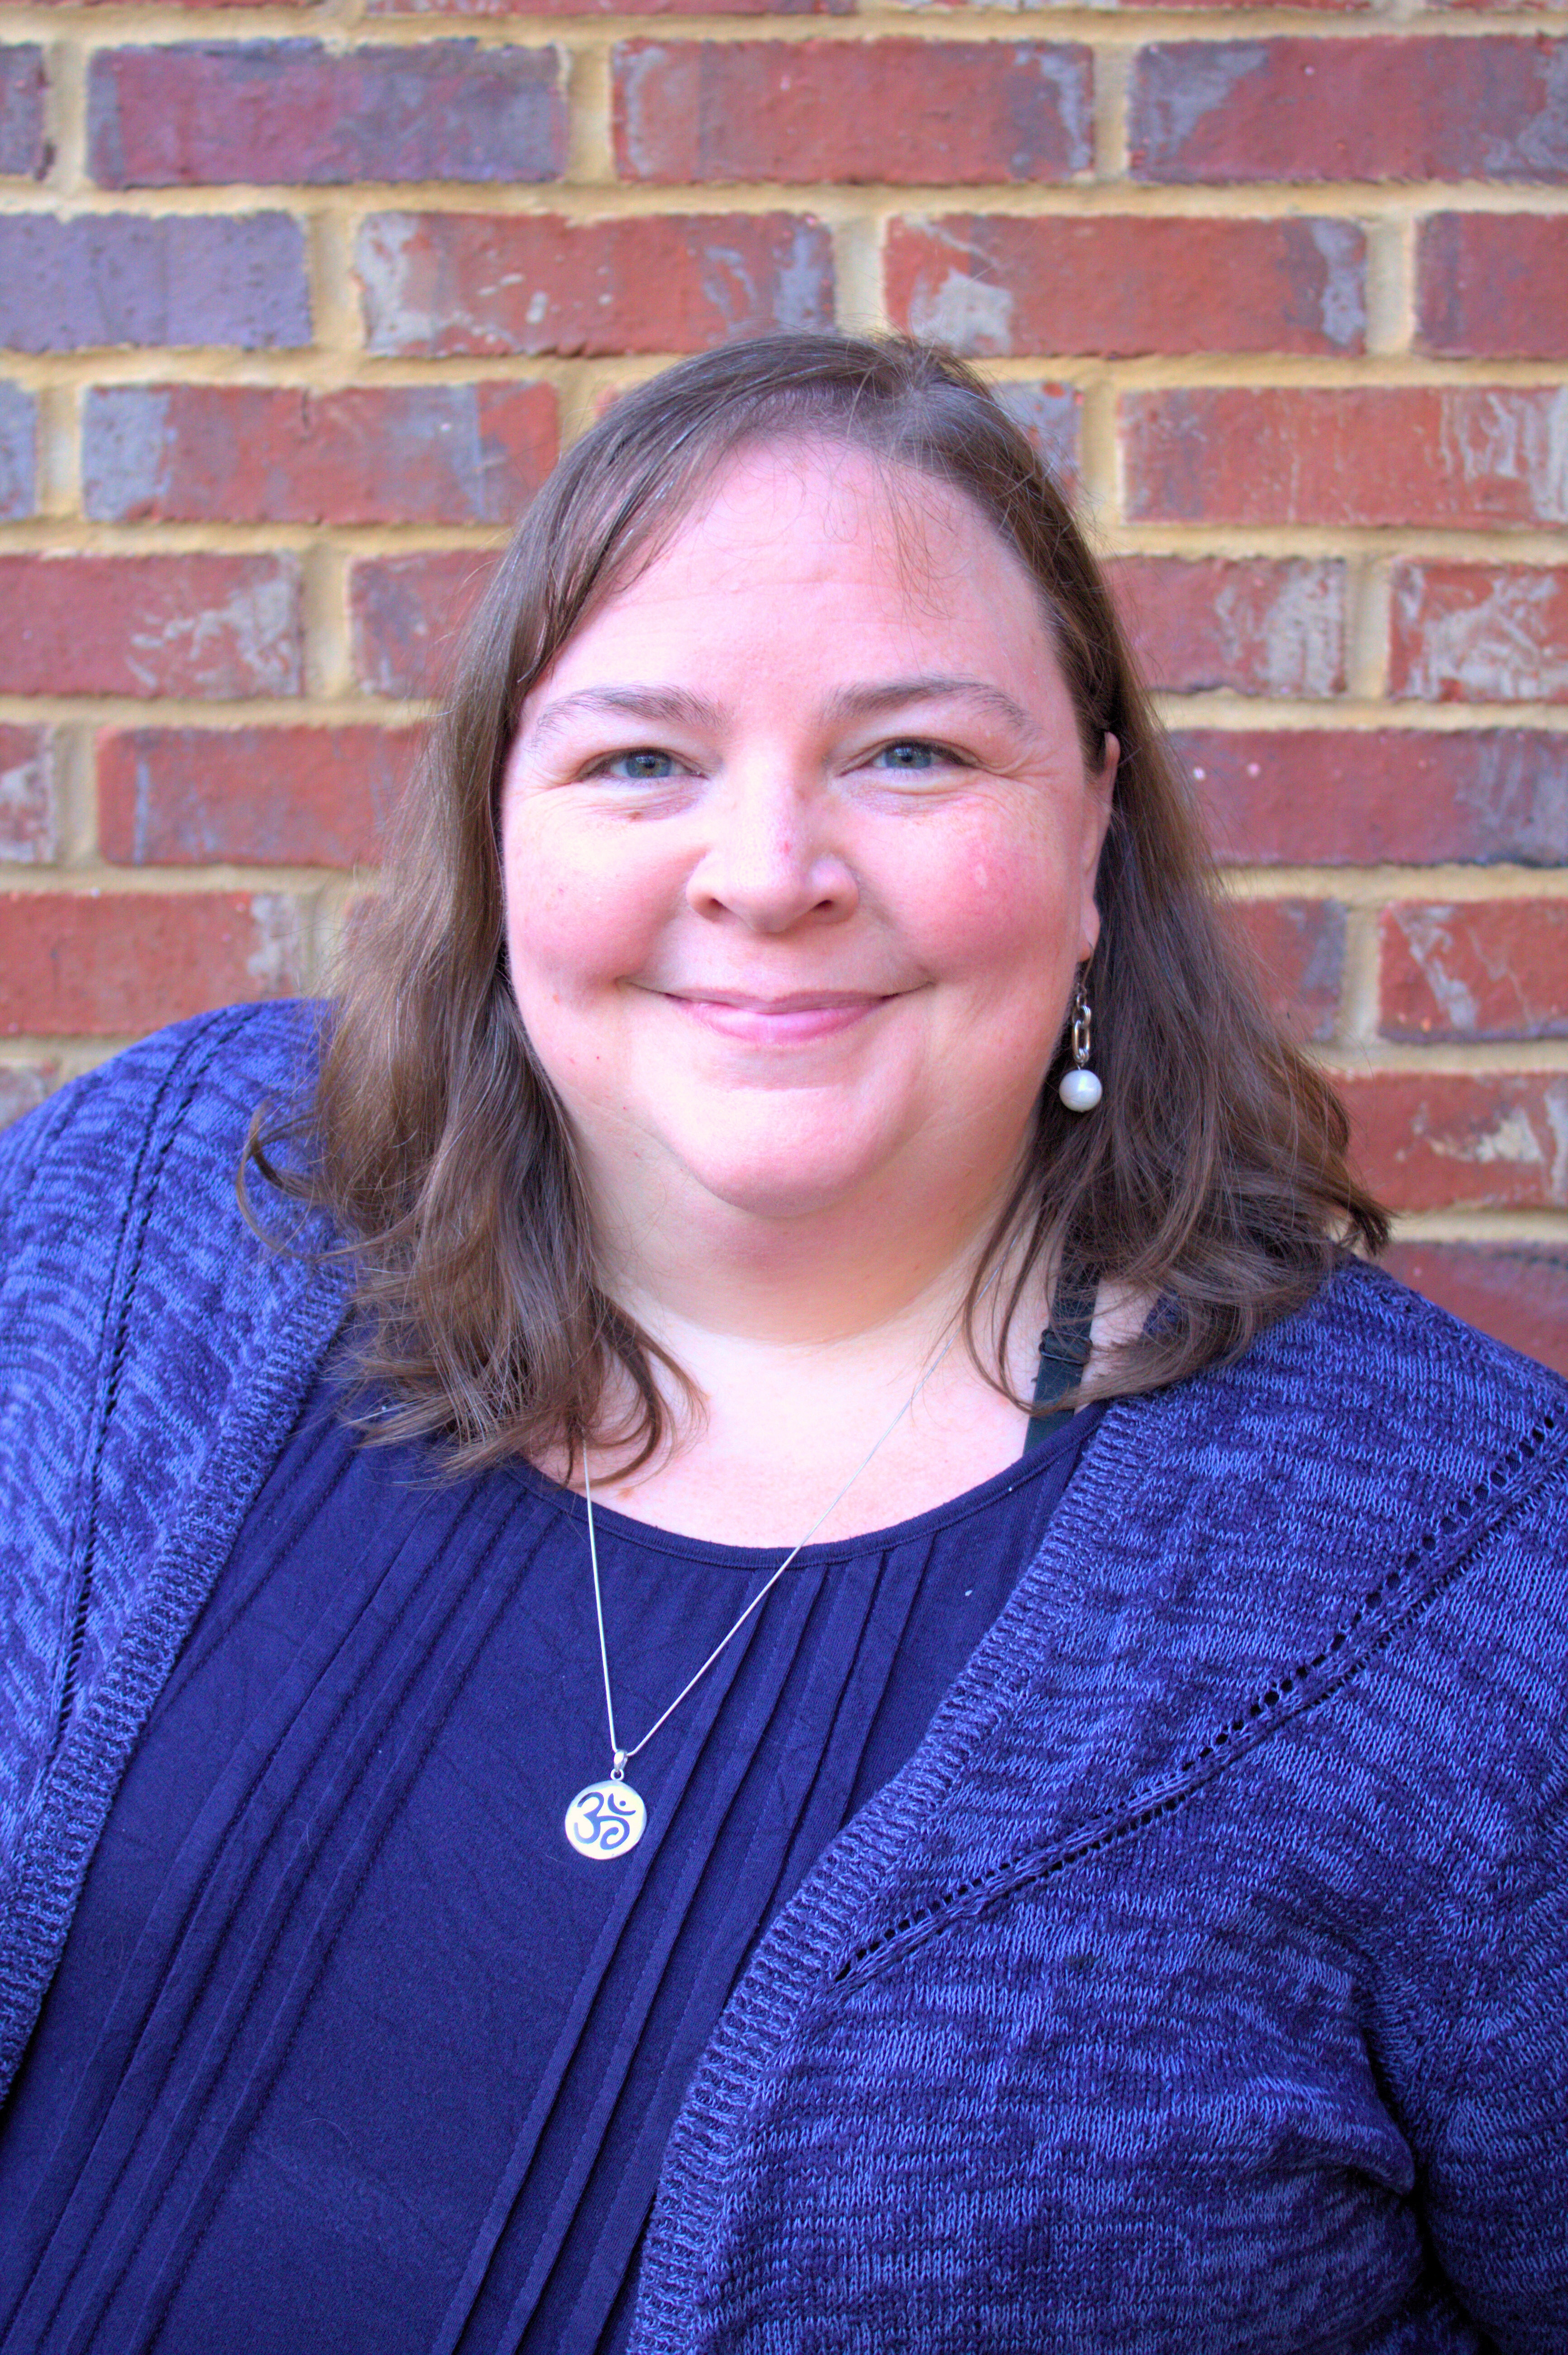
24, 150
97, 282
19, 452
290, 114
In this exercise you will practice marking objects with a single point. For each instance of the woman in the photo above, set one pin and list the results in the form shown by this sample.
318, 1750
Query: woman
601, 1637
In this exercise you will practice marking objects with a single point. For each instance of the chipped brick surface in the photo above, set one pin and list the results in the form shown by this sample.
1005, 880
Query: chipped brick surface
1474, 969
1462, 1140
1313, 110
211, 626
26, 796
1479, 632
440, 283
427, 454
255, 796
1263, 625
107, 964
1457, 457
995, 286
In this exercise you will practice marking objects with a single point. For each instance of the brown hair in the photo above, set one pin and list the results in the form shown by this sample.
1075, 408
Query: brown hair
1213, 1175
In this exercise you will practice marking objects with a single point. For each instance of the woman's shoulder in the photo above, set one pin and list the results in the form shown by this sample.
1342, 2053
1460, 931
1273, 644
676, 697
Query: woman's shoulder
190, 1090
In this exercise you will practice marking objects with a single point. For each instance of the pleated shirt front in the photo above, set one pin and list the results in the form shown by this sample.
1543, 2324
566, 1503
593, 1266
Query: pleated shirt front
349, 2050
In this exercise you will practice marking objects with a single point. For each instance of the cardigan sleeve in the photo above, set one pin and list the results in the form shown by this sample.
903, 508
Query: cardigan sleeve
1495, 2194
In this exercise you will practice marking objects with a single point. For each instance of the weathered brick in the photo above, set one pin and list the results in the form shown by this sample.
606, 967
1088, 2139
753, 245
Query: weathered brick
294, 113
611, 7
24, 150
1345, 797
1450, 456
1343, 8
1479, 632
1124, 286
1310, 109
26, 796
1051, 416
1258, 625
110, 965
97, 280
406, 613
1462, 1140
211, 627
1299, 949
1474, 969
23, 1087
265, 796
466, 282
19, 452
1492, 285
1516, 1292
908, 113
243, 453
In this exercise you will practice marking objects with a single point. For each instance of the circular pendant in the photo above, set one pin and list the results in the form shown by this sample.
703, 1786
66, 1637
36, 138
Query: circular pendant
606, 1819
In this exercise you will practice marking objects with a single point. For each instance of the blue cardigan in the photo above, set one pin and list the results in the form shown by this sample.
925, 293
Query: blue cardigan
1202, 1981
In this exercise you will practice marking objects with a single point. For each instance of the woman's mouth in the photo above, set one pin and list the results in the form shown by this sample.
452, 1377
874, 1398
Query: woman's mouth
783, 1022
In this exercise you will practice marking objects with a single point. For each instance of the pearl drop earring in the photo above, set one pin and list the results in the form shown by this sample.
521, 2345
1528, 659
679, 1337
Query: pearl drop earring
1081, 1089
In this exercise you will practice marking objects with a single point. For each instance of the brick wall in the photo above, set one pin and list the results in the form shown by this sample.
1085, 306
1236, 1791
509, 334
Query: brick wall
299, 300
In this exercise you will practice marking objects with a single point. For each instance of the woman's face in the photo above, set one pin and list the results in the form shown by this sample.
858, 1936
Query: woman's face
799, 855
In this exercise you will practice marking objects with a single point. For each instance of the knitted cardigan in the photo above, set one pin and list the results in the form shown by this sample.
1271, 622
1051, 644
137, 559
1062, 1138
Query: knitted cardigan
1202, 1981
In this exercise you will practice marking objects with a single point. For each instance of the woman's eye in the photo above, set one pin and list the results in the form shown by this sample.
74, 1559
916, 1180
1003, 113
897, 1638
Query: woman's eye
914, 754
640, 768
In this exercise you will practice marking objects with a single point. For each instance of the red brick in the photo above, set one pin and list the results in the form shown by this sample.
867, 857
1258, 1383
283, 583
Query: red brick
18, 453
1306, 109
178, 3
294, 112
1462, 1140
446, 283
908, 113
1449, 456
407, 612
1332, 797
1515, 1291
1299, 949
609, 7
262, 796
24, 150
26, 796
1214, 6
96, 281
1051, 417
212, 626
427, 454
1474, 969
1258, 625
24, 1086
1117, 286
1492, 284
111, 965
1479, 634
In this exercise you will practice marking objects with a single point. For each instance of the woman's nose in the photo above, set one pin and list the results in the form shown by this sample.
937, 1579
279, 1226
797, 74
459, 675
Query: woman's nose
771, 861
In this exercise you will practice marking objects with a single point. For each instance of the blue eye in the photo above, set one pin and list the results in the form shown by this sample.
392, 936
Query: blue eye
912, 753
640, 768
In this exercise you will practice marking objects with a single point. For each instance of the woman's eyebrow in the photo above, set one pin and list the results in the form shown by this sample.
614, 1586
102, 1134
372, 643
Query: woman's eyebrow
893, 694
669, 705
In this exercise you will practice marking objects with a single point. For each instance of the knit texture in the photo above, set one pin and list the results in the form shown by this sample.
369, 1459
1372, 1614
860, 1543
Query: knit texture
1200, 1984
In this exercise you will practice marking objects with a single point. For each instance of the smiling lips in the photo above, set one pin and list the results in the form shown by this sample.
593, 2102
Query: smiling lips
779, 1021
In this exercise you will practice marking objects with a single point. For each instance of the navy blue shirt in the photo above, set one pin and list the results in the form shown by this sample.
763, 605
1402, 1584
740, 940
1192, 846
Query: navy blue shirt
347, 2048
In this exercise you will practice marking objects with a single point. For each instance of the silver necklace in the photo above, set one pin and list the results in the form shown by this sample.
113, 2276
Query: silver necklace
608, 1818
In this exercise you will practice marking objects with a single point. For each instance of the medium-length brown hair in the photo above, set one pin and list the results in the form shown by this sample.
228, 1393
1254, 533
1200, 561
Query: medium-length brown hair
1213, 1177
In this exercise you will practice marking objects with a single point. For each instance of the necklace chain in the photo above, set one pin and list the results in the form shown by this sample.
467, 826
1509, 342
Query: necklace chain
623, 1757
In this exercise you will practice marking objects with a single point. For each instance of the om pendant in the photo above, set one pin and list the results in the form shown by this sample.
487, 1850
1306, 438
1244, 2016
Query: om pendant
606, 1819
